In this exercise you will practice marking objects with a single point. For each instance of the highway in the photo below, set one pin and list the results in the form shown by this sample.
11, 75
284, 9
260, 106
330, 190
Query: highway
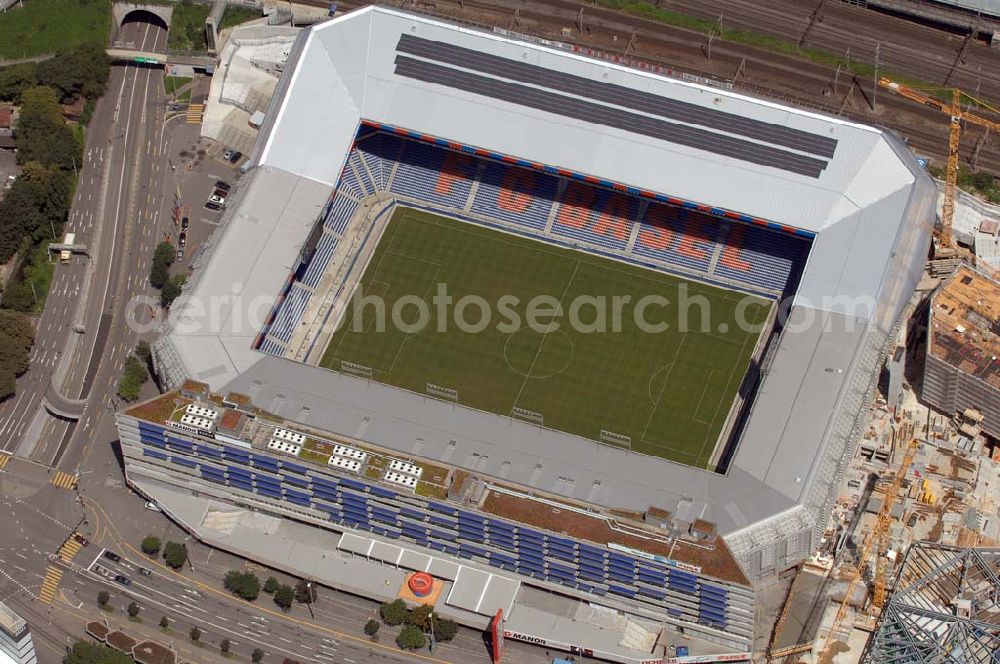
119, 212
113, 214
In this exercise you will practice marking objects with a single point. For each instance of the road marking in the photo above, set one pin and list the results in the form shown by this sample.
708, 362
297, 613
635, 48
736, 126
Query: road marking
4, 459
47, 592
69, 549
195, 113
64, 480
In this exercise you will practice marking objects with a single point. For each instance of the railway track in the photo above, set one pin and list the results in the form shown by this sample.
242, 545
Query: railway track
761, 72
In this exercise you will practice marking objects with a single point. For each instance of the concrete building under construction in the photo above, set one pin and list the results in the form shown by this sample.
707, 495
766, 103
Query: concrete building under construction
963, 346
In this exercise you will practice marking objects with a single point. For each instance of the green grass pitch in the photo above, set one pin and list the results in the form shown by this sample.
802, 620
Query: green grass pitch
669, 391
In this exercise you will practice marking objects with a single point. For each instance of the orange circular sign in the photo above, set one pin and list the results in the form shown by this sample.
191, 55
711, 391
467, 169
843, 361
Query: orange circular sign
421, 584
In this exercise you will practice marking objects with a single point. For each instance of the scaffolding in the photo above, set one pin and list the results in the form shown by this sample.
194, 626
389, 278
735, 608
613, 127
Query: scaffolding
945, 608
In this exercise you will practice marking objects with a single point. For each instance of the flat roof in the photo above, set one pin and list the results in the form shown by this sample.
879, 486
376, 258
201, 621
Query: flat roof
869, 204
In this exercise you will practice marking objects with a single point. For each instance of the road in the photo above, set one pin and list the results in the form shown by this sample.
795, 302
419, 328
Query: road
120, 212
37, 517
113, 215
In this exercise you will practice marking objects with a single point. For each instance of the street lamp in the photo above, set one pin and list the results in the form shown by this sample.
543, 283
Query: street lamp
430, 617
309, 596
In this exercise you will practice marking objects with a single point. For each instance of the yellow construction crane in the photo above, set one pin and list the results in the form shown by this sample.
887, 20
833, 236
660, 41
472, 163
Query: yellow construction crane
953, 107
876, 536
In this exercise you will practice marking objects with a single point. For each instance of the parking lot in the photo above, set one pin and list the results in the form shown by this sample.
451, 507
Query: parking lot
196, 165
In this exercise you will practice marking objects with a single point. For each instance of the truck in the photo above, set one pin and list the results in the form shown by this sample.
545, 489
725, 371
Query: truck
65, 255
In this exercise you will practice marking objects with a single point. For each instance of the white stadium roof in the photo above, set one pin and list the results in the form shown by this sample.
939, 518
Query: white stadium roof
856, 188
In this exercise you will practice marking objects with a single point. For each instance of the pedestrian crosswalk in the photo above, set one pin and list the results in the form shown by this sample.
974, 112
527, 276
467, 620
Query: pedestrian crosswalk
195, 112
50, 585
64, 480
4, 460
69, 549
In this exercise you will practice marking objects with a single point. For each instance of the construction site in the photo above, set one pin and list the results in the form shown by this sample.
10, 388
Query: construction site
909, 566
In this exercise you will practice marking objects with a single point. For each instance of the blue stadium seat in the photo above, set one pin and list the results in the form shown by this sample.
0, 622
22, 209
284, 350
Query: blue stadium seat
677, 236
434, 175
515, 195
596, 216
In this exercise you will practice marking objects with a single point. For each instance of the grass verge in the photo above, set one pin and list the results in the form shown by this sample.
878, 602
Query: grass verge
187, 27
47, 26
236, 14
172, 83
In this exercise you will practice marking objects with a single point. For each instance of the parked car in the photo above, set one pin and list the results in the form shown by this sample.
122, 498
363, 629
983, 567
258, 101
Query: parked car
218, 200
81, 539
112, 556
182, 240
212, 206
180, 257
234, 157
224, 186
144, 571
221, 193
124, 580
185, 222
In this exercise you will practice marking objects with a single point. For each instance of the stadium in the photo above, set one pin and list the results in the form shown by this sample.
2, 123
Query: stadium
657, 476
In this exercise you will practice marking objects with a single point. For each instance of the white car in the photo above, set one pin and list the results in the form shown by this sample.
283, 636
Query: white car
218, 200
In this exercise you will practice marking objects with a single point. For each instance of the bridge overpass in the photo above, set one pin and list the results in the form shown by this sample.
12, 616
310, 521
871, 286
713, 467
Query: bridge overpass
160, 59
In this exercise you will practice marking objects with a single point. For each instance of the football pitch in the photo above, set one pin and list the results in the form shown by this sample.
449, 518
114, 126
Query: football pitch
649, 382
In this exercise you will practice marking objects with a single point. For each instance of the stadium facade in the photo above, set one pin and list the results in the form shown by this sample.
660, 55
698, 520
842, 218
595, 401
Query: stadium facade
831, 217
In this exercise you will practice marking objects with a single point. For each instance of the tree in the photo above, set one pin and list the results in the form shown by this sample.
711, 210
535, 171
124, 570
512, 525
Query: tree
144, 352
15, 79
132, 380
224, 646
80, 71
175, 554
411, 638
305, 592
195, 633
284, 596
164, 622
163, 258
103, 598
420, 617
270, 585
42, 134
172, 289
17, 335
371, 627
393, 613
257, 655
133, 610
32, 211
84, 652
444, 629
244, 585
151, 545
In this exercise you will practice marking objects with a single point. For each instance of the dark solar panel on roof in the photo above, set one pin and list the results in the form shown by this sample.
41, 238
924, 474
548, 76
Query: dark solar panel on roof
693, 137
619, 95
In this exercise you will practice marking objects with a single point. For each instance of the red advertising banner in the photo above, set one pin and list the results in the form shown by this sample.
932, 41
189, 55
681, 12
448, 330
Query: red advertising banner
497, 629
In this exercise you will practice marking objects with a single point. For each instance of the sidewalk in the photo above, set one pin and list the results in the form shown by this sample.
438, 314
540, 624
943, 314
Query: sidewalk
149, 629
